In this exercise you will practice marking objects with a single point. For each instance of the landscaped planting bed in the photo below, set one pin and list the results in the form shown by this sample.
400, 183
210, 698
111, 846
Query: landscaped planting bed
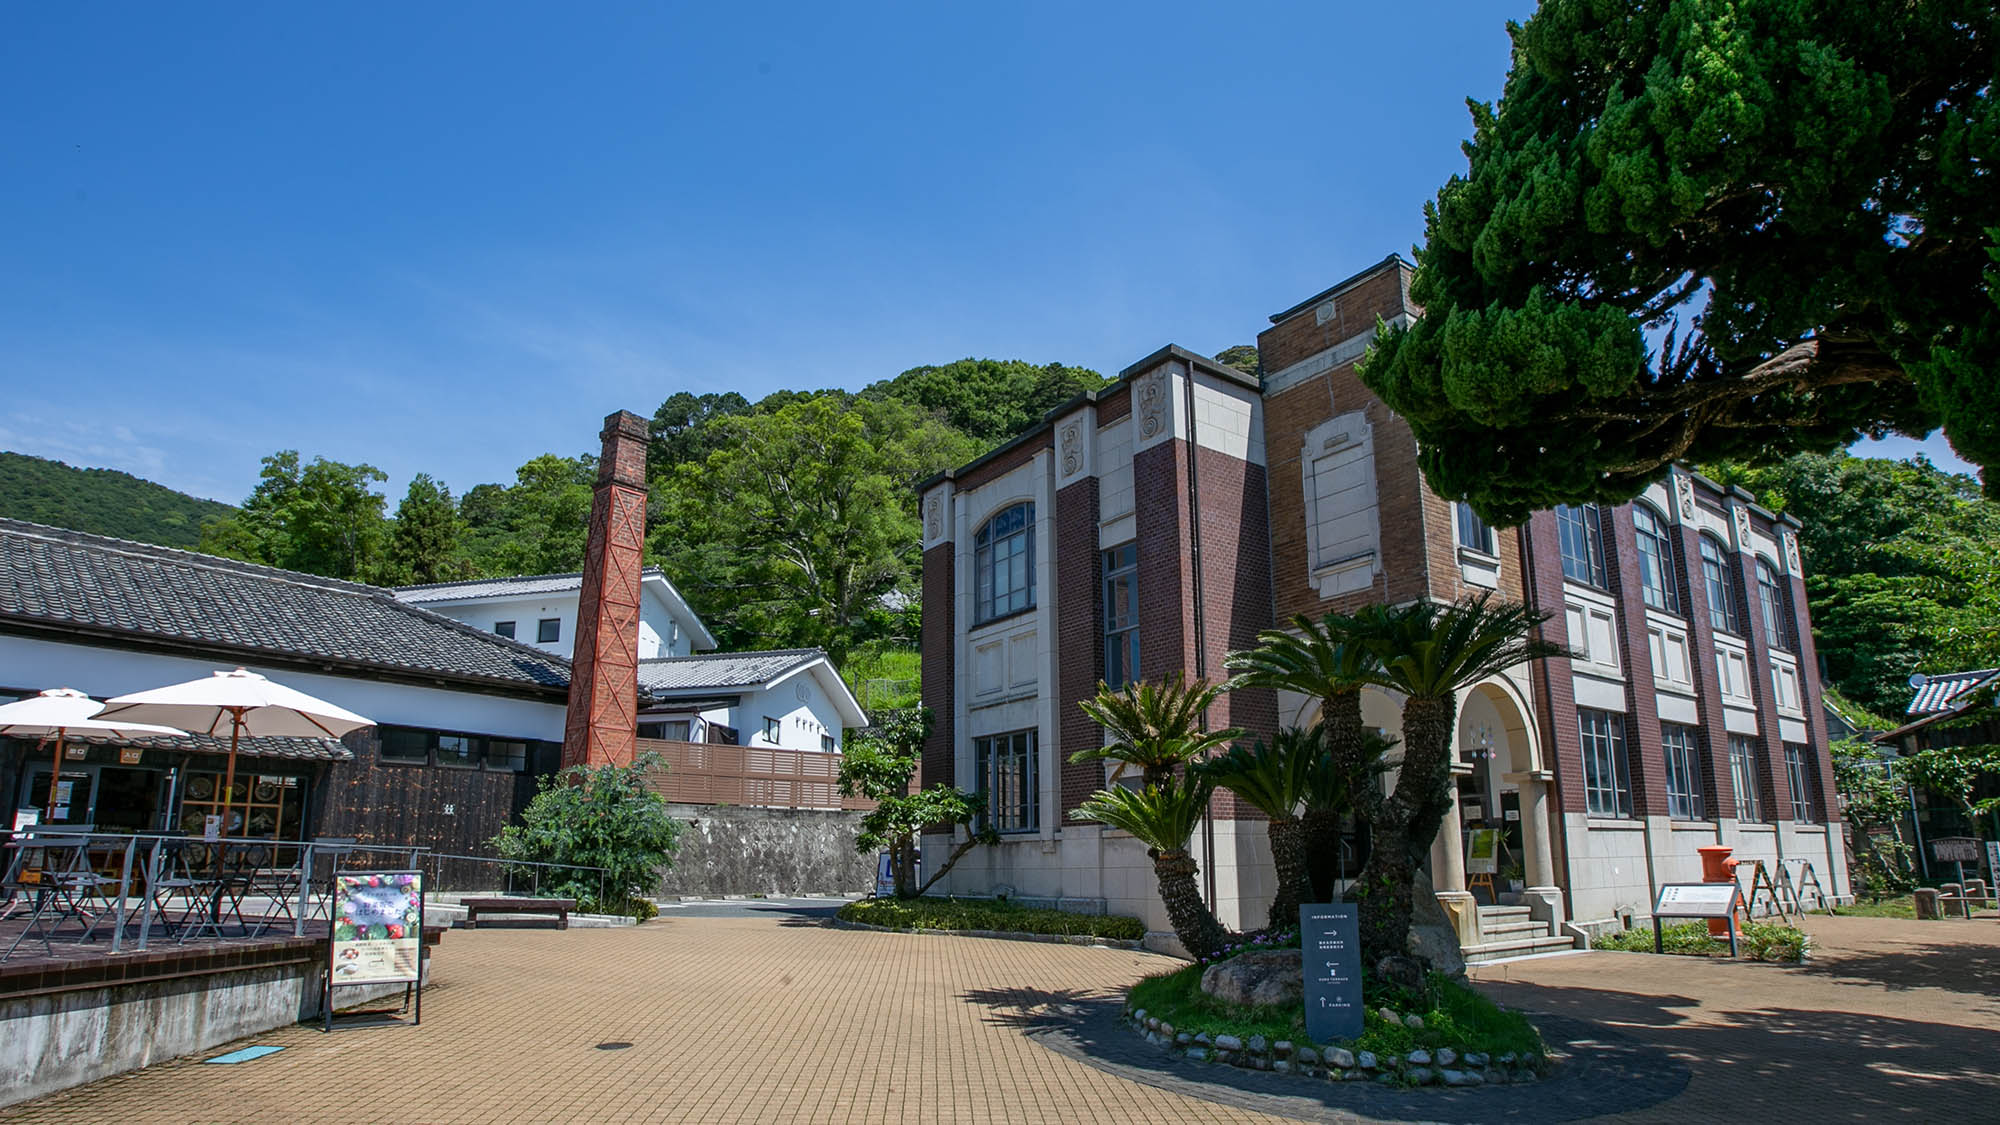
1454, 1037
1758, 941
989, 915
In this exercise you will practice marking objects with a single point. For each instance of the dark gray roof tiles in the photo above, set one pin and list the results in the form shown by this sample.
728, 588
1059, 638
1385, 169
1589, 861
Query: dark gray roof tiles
292, 749
498, 587
52, 578
708, 671
1937, 692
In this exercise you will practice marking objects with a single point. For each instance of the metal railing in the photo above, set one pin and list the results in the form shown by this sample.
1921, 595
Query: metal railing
513, 870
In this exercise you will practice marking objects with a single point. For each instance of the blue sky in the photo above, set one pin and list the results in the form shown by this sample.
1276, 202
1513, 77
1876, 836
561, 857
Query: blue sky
450, 238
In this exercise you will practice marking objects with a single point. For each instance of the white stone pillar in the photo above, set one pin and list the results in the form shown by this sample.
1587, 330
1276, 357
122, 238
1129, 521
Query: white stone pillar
1448, 868
1543, 897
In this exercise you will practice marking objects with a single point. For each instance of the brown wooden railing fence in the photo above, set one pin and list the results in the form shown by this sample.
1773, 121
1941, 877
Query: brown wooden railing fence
702, 773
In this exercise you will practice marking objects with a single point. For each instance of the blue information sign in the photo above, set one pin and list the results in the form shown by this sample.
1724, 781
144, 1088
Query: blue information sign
1330, 937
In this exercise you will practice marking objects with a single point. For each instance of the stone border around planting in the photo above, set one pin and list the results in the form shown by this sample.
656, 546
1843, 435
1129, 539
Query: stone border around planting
1598, 1071
1004, 935
1423, 1066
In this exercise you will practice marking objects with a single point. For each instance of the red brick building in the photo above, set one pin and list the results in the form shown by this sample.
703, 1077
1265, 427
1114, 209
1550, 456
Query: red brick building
1155, 525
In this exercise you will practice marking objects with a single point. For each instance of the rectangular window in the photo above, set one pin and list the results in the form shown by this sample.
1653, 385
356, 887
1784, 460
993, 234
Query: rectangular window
772, 729
1579, 532
1003, 564
1473, 534
459, 750
548, 630
1678, 745
676, 730
504, 628
1005, 768
402, 744
1607, 786
826, 743
1798, 774
1744, 761
1658, 586
506, 755
1121, 615
1717, 579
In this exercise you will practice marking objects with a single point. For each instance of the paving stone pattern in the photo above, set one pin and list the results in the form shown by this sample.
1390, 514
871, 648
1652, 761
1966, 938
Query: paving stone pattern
780, 1019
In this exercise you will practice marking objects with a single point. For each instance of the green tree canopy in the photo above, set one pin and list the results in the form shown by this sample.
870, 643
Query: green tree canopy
1703, 230
322, 518
988, 400
539, 524
679, 431
801, 528
426, 540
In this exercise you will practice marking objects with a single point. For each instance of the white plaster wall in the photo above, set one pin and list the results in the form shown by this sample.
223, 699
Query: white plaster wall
526, 614
37, 664
802, 707
1608, 866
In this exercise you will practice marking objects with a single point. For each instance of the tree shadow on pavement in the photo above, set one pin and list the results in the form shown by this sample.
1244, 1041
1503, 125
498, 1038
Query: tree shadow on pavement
1808, 1064
1969, 968
1034, 1008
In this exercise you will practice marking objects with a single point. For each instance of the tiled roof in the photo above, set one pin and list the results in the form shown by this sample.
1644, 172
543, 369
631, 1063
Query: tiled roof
520, 585
67, 580
293, 749
708, 671
1937, 692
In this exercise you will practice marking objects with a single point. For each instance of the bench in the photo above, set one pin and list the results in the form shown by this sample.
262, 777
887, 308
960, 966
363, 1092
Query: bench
560, 907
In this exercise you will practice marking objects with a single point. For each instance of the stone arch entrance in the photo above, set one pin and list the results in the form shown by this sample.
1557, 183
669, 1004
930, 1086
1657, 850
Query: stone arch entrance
1502, 784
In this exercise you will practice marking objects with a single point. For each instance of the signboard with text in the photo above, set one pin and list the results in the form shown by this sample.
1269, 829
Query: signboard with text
1697, 900
1482, 854
1955, 849
1330, 939
378, 921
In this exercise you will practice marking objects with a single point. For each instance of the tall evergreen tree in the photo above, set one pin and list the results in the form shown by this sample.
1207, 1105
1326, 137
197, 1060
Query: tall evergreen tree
426, 543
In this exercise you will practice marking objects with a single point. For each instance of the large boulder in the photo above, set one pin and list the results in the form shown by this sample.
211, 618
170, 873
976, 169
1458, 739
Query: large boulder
1264, 976
1432, 936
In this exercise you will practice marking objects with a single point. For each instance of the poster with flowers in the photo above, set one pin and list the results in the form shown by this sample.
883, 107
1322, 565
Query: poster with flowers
377, 926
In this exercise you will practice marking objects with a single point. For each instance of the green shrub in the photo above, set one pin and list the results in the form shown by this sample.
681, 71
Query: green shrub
1457, 1016
604, 818
1757, 941
987, 914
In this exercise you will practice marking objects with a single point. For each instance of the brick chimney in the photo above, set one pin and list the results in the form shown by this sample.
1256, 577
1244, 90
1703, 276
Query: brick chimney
602, 725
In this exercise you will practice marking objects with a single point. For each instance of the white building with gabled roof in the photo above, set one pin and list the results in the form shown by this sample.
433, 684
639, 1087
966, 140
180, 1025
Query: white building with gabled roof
541, 609
788, 698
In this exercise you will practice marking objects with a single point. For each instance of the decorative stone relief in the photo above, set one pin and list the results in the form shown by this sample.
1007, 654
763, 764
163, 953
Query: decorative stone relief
934, 519
1071, 441
1792, 552
1742, 528
1152, 405
1684, 488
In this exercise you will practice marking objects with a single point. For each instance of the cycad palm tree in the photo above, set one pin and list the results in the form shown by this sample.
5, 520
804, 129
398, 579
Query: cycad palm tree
1323, 660
1428, 652
1154, 726
1276, 778
1163, 816
1331, 794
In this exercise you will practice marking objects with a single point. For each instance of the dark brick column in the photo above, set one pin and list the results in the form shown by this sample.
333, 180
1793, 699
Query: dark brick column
1554, 676
1642, 707
1718, 790
939, 664
601, 726
1236, 582
1166, 637
1812, 693
1776, 791
1079, 620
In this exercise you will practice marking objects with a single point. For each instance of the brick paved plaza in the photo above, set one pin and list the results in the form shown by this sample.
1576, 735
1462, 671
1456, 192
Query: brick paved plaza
776, 1018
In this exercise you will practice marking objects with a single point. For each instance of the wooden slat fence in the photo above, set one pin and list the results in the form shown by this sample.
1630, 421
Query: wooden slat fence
702, 773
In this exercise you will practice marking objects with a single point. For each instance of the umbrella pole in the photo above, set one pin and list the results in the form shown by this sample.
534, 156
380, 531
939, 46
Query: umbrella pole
55, 775
229, 778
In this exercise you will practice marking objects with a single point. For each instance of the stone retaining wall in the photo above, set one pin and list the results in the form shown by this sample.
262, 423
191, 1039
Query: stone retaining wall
735, 850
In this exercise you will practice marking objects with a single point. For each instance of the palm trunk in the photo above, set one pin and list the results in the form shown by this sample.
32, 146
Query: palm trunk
1288, 855
1319, 831
1201, 935
1404, 828
1346, 742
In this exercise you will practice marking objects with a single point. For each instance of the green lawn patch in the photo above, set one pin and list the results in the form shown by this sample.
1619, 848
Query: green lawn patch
1903, 907
1458, 1017
1759, 941
988, 914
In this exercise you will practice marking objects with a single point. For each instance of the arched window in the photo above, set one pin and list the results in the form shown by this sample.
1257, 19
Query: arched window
1771, 599
1657, 584
1724, 611
1580, 534
1003, 564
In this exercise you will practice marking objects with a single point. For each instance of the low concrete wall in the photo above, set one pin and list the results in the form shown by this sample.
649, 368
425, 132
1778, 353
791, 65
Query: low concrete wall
53, 1041
734, 850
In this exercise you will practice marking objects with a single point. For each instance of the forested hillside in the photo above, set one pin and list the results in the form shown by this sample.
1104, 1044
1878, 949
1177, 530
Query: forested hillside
788, 521
101, 501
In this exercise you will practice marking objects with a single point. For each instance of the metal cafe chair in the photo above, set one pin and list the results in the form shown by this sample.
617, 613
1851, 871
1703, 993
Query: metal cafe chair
273, 880
52, 865
218, 867
178, 874
322, 862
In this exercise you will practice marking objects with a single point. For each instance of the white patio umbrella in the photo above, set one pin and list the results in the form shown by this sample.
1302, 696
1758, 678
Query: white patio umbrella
61, 712
242, 702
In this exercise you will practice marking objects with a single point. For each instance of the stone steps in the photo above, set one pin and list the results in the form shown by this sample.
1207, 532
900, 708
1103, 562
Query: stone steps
1495, 931
1516, 947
